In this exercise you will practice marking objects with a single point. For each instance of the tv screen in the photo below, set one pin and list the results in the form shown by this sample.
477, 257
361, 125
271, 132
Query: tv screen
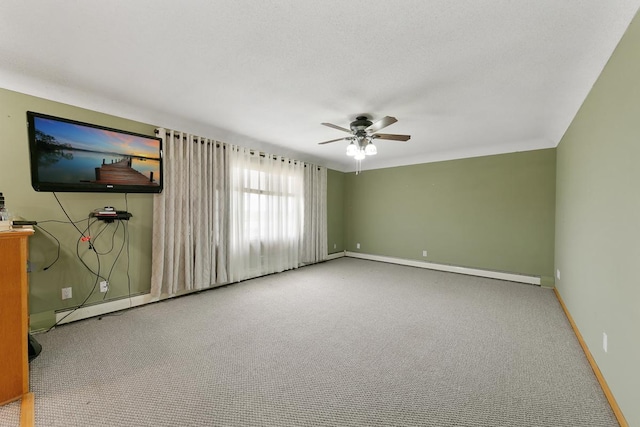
67, 155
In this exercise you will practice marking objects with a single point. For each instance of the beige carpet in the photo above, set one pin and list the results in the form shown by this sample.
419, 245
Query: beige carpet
343, 343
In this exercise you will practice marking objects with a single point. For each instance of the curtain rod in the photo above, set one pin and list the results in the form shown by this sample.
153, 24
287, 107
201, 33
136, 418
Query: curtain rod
224, 146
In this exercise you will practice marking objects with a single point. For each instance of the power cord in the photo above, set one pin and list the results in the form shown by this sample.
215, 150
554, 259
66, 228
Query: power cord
57, 249
38, 225
124, 238
67, 215
113, 235
85, 236
95, 284
127, 239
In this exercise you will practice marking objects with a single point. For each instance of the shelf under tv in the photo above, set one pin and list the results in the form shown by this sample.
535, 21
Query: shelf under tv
110, 216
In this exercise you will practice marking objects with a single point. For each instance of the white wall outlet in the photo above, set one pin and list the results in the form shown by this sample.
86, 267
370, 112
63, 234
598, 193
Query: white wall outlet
605, 342
357, 245
424, 253
66, 293
335, 246
104, 286
558, 273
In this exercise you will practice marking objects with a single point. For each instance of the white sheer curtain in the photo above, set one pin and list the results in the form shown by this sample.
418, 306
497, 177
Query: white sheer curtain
314, 247
190, 222
266, 213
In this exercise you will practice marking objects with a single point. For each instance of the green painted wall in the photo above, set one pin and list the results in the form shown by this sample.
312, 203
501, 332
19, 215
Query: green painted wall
335, 211
23, 201
598, 221
493, 212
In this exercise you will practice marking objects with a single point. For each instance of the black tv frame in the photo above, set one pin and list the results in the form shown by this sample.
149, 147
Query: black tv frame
39, 184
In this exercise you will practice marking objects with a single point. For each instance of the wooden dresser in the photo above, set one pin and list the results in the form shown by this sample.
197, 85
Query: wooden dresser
14, 316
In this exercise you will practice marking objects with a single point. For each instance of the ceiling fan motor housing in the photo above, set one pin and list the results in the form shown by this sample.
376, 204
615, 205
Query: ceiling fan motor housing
360, 123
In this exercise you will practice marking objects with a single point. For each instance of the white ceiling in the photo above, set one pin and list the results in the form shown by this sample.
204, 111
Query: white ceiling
464, 78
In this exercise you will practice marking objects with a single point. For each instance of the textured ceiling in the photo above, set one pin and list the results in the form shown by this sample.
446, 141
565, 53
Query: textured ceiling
464, 78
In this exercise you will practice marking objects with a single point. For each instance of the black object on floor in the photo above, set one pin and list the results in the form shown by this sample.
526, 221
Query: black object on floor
34, 348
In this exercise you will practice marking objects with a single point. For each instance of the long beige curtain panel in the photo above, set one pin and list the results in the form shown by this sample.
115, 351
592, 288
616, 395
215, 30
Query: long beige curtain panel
190, 216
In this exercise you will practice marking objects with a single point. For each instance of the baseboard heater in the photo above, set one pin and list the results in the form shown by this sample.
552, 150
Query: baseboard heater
511, 277
88, 311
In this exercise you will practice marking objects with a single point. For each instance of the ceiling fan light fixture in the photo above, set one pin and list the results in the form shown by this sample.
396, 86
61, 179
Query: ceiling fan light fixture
363, 131
352, 150
370, 149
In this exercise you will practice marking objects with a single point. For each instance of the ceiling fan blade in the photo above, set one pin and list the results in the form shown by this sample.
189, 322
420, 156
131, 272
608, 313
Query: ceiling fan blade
382, 123
333, 140
391, 136
331, 125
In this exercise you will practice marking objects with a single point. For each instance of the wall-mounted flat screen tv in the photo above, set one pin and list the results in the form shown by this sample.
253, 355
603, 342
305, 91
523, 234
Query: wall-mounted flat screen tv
67, 155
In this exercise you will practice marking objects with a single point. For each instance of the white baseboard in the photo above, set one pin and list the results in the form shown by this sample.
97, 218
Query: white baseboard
99, 309
335, 256
533, 280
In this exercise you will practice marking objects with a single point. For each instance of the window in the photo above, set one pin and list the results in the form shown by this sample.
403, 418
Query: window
266, 214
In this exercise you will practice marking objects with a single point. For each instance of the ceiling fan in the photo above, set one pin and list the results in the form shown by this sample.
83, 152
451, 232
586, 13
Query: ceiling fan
363, 132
